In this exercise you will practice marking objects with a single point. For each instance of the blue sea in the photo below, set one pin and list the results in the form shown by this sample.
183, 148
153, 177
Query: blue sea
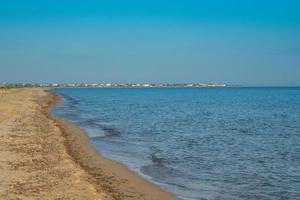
197, 143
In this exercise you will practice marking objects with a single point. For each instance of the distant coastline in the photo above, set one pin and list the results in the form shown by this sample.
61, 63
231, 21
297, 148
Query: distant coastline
116, 85
139, 85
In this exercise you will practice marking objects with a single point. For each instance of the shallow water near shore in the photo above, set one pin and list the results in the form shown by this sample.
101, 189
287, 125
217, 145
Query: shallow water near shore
197, 143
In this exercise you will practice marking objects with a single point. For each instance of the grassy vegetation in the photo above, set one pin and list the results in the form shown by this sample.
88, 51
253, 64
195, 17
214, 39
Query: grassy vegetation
11, 85
3, 86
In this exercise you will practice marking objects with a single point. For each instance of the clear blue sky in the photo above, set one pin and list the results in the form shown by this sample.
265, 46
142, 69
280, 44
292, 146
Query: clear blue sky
250, 42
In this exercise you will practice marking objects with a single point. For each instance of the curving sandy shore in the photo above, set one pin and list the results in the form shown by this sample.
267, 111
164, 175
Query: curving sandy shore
42, 157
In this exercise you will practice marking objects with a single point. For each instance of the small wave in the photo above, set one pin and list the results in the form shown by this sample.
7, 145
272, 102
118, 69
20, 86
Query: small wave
90, 122
104, 132
111, 132
178, 185
97, 131
71, 115
71, 101
161, 173
95, 134
156, 160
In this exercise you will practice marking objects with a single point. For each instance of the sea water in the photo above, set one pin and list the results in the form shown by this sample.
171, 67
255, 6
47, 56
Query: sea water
197, 143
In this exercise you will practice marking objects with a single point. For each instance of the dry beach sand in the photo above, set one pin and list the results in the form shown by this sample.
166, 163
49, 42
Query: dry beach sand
42, 157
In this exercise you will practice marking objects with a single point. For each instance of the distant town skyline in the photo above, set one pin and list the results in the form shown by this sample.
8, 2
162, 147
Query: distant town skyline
122, 85
254, 43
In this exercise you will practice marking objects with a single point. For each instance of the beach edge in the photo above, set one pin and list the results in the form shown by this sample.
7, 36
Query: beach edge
105, 174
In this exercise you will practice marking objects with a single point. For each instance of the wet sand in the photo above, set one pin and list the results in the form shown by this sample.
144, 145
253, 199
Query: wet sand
43, 157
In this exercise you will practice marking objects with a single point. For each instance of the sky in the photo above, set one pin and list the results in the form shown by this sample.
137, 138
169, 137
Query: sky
249, 42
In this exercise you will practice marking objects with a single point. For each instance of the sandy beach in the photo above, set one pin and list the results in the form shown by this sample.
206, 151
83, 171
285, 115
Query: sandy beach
43, 157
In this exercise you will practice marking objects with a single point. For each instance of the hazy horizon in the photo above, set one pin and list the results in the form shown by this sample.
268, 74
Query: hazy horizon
251, 43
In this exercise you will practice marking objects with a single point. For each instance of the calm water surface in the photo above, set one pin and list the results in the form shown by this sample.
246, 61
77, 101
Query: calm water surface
209, 143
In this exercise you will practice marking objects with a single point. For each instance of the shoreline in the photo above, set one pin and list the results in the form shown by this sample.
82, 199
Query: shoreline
106, 174
44, 157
